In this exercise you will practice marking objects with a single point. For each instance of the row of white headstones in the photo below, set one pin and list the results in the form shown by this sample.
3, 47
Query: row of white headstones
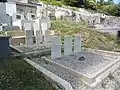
39, 37
68, 45
39, 30
56, 44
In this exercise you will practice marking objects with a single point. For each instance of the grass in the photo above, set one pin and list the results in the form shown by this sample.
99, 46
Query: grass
16, 74
91, 37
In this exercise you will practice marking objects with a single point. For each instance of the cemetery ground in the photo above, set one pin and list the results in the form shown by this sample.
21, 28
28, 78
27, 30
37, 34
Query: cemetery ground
17, 74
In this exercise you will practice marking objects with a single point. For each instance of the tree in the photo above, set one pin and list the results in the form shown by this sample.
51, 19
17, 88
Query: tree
110, 2
91, 4
70, 2
110, 9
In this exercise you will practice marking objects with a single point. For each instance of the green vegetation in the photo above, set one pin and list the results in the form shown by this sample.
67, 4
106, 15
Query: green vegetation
16, 74
103, 6
91, 37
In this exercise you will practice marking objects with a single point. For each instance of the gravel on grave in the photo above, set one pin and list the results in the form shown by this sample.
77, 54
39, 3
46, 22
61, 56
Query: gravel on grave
91, 64
112, 82
32, 48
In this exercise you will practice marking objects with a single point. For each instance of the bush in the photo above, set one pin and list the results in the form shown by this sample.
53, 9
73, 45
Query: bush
57, 3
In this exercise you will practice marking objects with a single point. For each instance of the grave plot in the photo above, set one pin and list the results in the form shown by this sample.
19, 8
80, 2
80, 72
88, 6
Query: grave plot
90, 67
32, 48
74, 78
83, 69
75, 82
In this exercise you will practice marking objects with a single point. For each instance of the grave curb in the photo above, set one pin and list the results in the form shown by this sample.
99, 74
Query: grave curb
92, 81
84, 78
50, 75
46, 51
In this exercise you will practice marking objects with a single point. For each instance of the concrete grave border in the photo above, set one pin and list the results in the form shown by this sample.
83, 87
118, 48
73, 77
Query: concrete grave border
46, 51
94, 80
50, 75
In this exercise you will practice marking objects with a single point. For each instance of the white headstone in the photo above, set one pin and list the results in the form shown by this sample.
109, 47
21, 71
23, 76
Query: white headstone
29, 37
45, 24
36, 26
47, 37
77, 44
68, 45
39, 37
44, 27
48, 23
28, 26
55, 47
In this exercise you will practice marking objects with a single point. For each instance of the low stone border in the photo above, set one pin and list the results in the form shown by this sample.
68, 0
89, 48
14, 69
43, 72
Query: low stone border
50, 75
41, 52
94, 80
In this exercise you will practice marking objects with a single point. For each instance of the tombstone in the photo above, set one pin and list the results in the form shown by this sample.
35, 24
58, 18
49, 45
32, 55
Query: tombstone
44, 27
28, 26
39, 37
36, 27
77, 44
47, 37
29, 37
55, 47
68, 45
48, 23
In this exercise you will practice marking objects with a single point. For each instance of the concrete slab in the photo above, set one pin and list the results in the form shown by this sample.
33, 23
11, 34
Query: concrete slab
91, 70
50, 75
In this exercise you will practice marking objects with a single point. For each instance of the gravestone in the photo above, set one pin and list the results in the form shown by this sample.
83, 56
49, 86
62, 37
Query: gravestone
45, 24
48, 23
38, 33
55, 47
36, 26
68, 45
28, 26
47, 37
39, 37
29, 37
44, 27
77, 44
